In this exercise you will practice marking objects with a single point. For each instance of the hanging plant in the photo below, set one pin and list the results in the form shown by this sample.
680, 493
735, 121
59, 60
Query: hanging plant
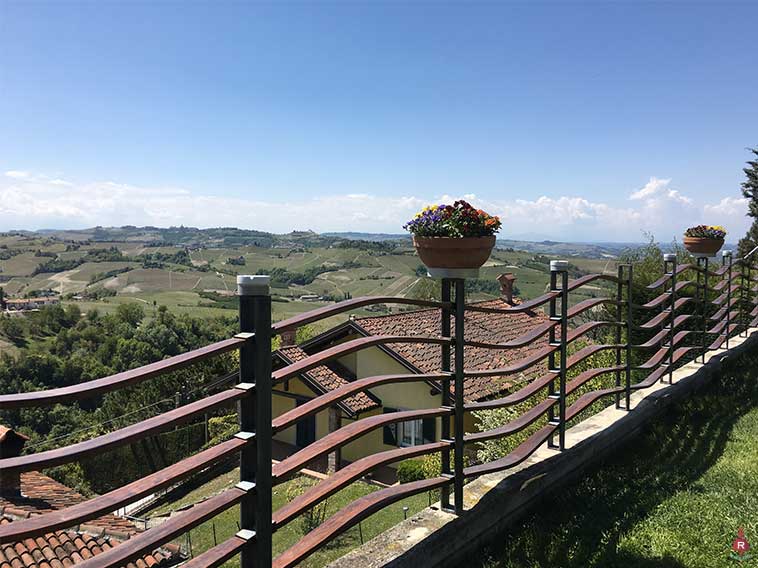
453, 236
704, 240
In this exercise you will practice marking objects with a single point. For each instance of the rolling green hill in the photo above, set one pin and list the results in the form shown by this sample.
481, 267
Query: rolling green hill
194, 270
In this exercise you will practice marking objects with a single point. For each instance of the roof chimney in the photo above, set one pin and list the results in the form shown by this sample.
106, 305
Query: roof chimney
288, 337
11, 444
506, 286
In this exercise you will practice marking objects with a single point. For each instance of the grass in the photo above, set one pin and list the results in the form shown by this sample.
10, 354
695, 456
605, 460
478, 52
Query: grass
21, 265
673, 497
202, 537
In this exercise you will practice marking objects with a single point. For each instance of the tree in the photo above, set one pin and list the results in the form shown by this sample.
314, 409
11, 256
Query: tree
426, 289
750, 192
131, 313
12, 329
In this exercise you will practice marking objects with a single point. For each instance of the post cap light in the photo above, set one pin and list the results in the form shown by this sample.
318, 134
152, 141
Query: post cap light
253, 285
726, 253
558, 265
669, 257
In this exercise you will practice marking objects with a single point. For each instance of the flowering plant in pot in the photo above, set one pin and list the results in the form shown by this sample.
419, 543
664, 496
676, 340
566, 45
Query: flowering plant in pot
704, 240
453, 236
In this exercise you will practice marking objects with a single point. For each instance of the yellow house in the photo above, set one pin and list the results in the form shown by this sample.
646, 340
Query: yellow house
399, 358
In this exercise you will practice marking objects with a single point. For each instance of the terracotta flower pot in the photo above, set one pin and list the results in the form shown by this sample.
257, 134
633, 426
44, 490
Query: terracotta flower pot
450, 252
703, 246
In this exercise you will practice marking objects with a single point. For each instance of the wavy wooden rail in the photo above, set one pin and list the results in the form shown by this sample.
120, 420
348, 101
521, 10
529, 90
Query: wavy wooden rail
347, 305
521, 341
118, 381
39, 525
313, 361
179, 524
218, 555
151, 426
673, 334
347, 434
351, 515
515, 398
347, 475
326, 400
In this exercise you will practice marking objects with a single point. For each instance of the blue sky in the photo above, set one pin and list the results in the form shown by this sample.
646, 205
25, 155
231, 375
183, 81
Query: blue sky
586, 121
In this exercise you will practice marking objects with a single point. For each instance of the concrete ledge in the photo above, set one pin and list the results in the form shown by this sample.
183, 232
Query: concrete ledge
435, 538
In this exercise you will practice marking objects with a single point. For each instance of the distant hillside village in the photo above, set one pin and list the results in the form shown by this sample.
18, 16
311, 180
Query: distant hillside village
13, 306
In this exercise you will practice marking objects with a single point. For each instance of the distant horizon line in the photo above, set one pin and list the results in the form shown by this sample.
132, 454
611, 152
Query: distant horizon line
386, 235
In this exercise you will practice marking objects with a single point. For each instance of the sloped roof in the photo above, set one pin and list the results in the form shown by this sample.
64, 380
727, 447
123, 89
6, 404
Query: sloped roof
327, 380
483, 327
7, 433
63, 548
68, 547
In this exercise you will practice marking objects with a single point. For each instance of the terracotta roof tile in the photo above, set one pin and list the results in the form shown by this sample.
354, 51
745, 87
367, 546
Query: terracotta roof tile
68, 547
329, 380
483, 327
43, 494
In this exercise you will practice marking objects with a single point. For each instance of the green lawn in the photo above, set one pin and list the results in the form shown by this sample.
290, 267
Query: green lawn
672, 498
202, 537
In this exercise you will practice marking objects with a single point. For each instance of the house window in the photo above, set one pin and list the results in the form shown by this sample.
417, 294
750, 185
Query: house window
410, 433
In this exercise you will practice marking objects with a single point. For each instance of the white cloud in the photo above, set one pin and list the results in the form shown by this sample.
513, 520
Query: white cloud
728, 206
731, 212
32, 201
17, 174
653, 187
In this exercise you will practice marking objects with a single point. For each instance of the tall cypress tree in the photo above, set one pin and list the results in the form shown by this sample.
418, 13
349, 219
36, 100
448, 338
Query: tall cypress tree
750, 191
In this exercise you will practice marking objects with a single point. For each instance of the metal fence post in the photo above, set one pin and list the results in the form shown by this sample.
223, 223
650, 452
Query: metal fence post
255, 418
619, 301
460, 312
703, 262
727, 259
743, 302
670, 260
556, 267
750, 297
445, 420
629, 329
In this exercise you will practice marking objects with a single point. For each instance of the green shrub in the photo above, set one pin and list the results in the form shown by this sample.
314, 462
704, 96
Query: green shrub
311, 518
410, 470
221, 428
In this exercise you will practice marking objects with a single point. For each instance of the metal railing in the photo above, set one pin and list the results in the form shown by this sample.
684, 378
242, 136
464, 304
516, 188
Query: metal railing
683, 327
